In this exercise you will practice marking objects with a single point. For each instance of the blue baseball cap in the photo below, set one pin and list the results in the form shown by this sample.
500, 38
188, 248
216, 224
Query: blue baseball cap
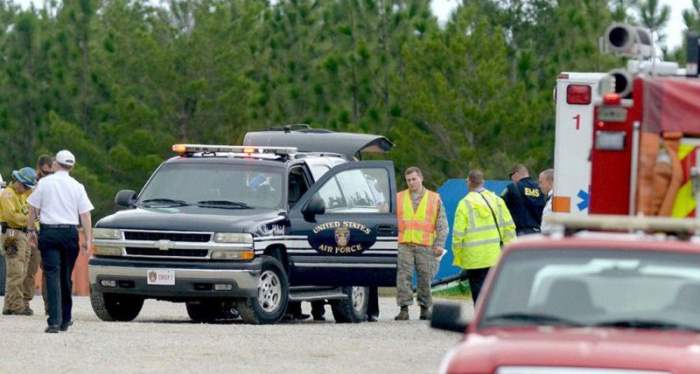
26, 176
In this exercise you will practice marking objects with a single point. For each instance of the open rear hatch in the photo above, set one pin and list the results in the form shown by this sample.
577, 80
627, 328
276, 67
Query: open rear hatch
318, 140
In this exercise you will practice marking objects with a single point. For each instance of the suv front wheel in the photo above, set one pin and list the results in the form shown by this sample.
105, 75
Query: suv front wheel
114, 307
273, 293
354, 307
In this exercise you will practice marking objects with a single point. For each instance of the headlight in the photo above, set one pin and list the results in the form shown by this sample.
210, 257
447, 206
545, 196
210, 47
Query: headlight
445, 363
229, 254
230, 237
107, 251
98, 233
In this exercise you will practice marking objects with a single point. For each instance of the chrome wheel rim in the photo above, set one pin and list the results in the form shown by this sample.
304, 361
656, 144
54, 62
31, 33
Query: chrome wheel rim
269, 291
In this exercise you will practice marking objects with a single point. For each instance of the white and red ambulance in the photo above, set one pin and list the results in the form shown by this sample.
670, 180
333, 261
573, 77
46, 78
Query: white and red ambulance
575, 95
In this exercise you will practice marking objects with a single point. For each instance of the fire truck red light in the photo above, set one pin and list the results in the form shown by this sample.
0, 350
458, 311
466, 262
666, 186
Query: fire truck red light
579, 94
612, 99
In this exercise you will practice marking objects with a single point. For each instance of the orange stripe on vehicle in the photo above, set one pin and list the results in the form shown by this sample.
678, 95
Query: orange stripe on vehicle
561, 204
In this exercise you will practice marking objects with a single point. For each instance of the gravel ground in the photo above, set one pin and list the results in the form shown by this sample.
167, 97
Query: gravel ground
163, 340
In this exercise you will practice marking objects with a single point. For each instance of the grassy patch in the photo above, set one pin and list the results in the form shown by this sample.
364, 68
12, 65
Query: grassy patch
453, 290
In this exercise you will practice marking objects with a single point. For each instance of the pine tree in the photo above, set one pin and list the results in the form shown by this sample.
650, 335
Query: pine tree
654, 17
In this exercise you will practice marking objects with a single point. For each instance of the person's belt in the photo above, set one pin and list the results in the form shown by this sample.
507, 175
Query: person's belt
57, 226
23, 229
528, 230
415, 245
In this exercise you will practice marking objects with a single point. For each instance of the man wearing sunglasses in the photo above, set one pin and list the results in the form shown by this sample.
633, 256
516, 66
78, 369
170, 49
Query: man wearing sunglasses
44, 168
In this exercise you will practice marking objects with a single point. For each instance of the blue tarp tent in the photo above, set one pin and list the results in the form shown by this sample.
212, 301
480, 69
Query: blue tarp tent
451, 193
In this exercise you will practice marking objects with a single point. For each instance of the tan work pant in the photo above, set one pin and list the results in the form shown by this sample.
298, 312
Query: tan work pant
21, 264
424, 262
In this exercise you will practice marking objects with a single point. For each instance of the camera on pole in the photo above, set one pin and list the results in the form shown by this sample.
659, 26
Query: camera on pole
620, 82
629, 41
637, 45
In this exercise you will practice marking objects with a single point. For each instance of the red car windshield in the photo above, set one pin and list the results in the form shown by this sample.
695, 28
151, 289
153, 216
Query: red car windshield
618, 288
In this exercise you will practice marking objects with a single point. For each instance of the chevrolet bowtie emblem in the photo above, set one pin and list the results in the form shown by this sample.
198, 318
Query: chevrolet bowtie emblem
163, 245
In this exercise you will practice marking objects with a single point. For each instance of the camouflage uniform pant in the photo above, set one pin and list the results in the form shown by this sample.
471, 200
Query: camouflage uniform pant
21, 264
424, 262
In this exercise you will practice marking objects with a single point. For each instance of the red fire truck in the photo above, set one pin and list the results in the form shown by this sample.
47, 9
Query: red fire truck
644, 155
645, 139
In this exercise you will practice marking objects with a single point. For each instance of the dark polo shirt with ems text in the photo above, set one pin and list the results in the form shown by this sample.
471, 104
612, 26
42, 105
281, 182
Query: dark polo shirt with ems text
525, 201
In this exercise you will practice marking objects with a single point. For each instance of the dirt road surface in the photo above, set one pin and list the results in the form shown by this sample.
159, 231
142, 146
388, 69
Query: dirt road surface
164, 340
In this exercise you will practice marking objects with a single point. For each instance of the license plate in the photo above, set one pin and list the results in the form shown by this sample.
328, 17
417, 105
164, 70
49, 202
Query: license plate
160, 277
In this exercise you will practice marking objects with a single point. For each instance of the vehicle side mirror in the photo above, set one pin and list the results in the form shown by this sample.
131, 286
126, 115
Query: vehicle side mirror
314, 207
125, 198
450, 316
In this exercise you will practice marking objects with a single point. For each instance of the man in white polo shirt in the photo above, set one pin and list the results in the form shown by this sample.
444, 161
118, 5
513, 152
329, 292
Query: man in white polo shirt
61, 203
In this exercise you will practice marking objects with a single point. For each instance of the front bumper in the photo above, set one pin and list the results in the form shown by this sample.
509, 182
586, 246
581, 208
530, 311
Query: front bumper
193, 280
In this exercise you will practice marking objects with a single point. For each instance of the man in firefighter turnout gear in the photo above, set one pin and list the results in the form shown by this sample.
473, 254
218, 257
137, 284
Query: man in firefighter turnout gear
21, 258
423, 230
482, 226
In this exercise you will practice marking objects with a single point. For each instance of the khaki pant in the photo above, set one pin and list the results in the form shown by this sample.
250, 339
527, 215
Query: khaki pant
29, 286
21, 264
424, 262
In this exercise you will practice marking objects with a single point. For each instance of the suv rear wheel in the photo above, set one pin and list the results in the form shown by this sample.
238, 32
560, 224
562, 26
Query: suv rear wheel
203, 311
273, 293
115, 307
211, 310
354, 307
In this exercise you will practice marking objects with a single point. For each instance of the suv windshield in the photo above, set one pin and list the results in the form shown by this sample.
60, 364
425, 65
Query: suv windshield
214, 185
618, 288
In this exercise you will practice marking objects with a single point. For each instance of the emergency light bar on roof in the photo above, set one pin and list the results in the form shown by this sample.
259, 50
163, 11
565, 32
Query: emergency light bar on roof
183, 149
621, 222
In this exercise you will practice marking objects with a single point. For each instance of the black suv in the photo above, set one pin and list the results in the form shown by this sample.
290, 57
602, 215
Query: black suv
242, 230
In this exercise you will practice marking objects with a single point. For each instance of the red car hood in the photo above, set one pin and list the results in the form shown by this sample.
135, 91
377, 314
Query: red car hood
666, 351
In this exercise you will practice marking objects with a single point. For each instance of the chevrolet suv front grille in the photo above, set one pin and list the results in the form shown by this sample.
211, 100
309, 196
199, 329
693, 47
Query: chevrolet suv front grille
172, 236
173, 252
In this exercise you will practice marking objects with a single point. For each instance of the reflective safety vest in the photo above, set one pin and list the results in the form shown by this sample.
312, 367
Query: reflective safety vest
476, 242
417, 226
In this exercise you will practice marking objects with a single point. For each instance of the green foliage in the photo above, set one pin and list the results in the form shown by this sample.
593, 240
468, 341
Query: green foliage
654, 16
691, 17
119, 81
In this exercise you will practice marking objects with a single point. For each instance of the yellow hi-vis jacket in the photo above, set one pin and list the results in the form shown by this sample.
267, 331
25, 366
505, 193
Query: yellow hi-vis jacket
417, 226
14, 207
476, 243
